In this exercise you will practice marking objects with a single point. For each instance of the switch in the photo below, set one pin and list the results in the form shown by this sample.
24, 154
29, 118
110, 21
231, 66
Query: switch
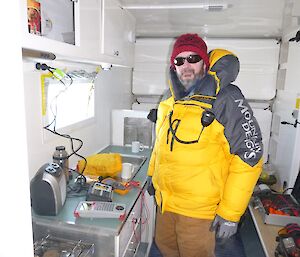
295, 114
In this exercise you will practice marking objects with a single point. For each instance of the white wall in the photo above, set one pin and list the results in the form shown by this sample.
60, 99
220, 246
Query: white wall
15, 216
112, 92
285, 140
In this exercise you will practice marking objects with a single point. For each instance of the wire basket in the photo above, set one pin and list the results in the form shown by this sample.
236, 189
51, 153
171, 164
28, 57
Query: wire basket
59, 247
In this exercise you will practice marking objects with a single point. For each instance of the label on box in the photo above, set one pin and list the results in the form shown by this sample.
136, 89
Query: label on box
34, 17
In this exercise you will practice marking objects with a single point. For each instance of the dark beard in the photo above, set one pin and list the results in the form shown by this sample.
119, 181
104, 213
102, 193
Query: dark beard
188, 83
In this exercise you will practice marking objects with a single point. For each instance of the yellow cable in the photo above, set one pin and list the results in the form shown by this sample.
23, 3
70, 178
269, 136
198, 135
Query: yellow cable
43, 77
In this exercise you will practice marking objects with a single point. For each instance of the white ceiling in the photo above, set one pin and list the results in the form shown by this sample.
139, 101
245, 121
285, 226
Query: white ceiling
241, 18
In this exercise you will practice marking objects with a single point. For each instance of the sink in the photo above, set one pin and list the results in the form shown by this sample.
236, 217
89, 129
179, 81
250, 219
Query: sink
136, 160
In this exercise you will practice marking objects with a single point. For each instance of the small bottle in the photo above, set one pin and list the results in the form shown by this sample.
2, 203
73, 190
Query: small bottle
60, 156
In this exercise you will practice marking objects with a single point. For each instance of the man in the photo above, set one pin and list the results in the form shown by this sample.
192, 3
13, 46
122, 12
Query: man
208, 151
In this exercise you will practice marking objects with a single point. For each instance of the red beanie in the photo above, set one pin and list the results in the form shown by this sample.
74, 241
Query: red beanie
190, 43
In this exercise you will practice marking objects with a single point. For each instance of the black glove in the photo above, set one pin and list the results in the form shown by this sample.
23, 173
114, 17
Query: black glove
150, 188
223, 228
152, 115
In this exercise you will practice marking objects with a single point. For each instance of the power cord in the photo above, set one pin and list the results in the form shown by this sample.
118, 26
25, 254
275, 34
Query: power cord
72, 139
76, 190
285, 190
288, 123
297, 37
59, 74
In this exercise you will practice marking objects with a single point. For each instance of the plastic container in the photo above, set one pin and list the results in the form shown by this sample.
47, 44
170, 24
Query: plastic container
60, 156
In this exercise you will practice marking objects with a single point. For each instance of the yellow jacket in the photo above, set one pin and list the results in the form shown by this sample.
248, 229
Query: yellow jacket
200, 172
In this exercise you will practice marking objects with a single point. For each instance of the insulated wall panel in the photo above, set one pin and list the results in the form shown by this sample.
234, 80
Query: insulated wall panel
264, 119
150, 74
258, 65
258, 71
149, 82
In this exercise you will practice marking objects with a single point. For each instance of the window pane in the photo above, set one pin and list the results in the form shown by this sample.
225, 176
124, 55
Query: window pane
70, 104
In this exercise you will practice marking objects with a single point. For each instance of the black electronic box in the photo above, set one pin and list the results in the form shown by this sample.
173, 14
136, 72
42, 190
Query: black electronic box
99, 192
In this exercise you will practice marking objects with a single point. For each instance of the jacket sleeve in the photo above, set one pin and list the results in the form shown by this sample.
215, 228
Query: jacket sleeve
245, 151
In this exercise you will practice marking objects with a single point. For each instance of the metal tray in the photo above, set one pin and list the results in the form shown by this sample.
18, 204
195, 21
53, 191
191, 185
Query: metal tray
273, 219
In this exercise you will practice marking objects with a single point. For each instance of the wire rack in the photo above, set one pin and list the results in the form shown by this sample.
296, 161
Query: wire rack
60, 247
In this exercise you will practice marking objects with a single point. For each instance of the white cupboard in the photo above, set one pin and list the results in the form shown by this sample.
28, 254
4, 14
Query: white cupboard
118, 33
55, 37
94, 31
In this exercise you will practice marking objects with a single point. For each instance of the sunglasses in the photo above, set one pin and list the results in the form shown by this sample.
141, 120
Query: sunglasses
193, 58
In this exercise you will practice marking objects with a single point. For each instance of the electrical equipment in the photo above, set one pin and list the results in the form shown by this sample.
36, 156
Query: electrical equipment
59, 74
99, 192
96, 209
288, 241
261, 189
207, 118
279, 209
48, 189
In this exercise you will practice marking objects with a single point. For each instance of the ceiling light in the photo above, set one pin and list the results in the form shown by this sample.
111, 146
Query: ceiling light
206, 6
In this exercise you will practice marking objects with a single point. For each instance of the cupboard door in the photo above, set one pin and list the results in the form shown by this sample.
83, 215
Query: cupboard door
118, 33
69, 29
90, 20
129, 229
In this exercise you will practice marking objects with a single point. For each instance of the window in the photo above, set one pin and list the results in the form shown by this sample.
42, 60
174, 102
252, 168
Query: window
68, 101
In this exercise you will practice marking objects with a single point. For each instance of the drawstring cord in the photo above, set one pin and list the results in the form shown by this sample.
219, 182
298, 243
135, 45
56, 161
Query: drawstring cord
173, 131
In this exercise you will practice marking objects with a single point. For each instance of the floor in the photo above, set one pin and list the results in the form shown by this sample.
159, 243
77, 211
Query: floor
249, 237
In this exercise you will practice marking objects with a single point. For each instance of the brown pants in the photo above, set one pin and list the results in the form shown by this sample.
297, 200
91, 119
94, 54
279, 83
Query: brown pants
181, 236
